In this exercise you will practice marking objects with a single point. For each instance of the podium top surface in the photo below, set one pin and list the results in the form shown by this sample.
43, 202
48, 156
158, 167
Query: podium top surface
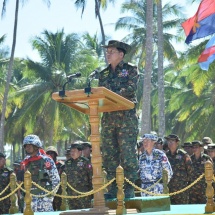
108, 101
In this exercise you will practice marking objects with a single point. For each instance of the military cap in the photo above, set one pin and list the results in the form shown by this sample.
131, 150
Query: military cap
150, 136
76, 146
118, 44
197, 143
187, 144
160, 141
52, 149
207, 140
86, 144
172, 137
2, 155
211, 146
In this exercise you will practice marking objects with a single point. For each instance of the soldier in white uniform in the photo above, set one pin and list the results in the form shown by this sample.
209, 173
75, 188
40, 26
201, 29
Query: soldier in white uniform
151, 165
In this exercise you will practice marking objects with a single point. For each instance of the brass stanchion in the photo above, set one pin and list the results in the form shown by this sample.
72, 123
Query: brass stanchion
63, 205
13, 198
209, 190
165, 182
120, 193
28, 198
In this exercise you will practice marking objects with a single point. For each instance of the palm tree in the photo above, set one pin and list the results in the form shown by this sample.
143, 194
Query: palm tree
161, 99
10, 71
60, 55
98, 4
137, 37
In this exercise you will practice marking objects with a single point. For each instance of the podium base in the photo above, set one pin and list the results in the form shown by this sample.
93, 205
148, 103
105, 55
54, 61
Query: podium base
95, 211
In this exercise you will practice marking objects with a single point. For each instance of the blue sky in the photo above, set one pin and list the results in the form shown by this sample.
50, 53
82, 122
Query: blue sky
35, 16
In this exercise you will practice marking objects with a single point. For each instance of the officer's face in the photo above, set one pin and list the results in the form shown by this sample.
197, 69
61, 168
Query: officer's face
75, 153
2, 162
114, 56
30, 149
86, 152
211, 153
148, 144
172, 144
196, 150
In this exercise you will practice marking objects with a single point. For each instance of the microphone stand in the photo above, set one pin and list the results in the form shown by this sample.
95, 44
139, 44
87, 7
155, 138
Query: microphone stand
87, 90
62, 92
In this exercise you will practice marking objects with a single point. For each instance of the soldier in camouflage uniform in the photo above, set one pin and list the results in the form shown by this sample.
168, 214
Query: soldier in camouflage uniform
87, 149
120, 128
187, 146
151, 165
4, 181
52, 151
79, 176
182, 170
43, 171
198, 191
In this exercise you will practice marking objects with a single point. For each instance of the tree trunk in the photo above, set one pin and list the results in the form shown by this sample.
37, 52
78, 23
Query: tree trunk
161, 98
146, 112
102, 29
9, 75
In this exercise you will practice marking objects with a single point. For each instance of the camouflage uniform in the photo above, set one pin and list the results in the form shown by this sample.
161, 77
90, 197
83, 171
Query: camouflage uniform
198, 191
4, 181
79, 176
151, 170
182, 169
44, 172
120, 128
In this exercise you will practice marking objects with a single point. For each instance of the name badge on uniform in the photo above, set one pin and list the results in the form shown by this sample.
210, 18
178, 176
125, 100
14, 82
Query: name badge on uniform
80, 163
5, 174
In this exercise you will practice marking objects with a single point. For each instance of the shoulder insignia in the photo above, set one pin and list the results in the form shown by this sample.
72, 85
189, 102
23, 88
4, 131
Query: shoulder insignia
131, 64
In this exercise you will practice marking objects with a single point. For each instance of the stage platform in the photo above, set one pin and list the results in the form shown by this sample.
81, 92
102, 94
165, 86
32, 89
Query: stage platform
174, 210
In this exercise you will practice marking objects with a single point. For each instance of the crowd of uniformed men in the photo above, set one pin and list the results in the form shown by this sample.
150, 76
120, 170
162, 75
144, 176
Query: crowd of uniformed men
154, 154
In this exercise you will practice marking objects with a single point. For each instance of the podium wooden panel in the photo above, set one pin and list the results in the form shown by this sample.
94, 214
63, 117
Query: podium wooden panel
100, 100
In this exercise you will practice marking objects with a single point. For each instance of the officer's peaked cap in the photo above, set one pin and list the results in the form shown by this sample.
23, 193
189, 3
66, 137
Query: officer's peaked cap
172, 137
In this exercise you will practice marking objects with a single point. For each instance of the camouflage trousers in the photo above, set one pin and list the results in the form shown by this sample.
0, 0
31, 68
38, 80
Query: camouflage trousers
42, 204
198, 193
182, 198
119, 138
5, 205
79, 203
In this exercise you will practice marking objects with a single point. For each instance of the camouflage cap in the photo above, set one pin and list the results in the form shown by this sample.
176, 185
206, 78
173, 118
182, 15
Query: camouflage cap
197, 143
2, 155
207, 140
172, 137
52, 149
187, 144
152, 137
118, 44
211, 146
86, 144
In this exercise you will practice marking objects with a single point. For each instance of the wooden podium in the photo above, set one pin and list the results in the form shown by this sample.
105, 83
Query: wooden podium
99, 100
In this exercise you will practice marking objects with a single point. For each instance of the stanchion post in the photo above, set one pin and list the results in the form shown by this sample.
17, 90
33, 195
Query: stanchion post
165, 182
63, 205
28, 198
120, 193
209, 189
13, 198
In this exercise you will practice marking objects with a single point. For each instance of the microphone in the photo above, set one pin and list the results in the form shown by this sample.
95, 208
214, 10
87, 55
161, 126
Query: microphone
93, 74
76, 75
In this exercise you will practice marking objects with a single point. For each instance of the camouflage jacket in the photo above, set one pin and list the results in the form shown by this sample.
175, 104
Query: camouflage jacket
79, 173
5, 179
199, 165
181, 165
122, 81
